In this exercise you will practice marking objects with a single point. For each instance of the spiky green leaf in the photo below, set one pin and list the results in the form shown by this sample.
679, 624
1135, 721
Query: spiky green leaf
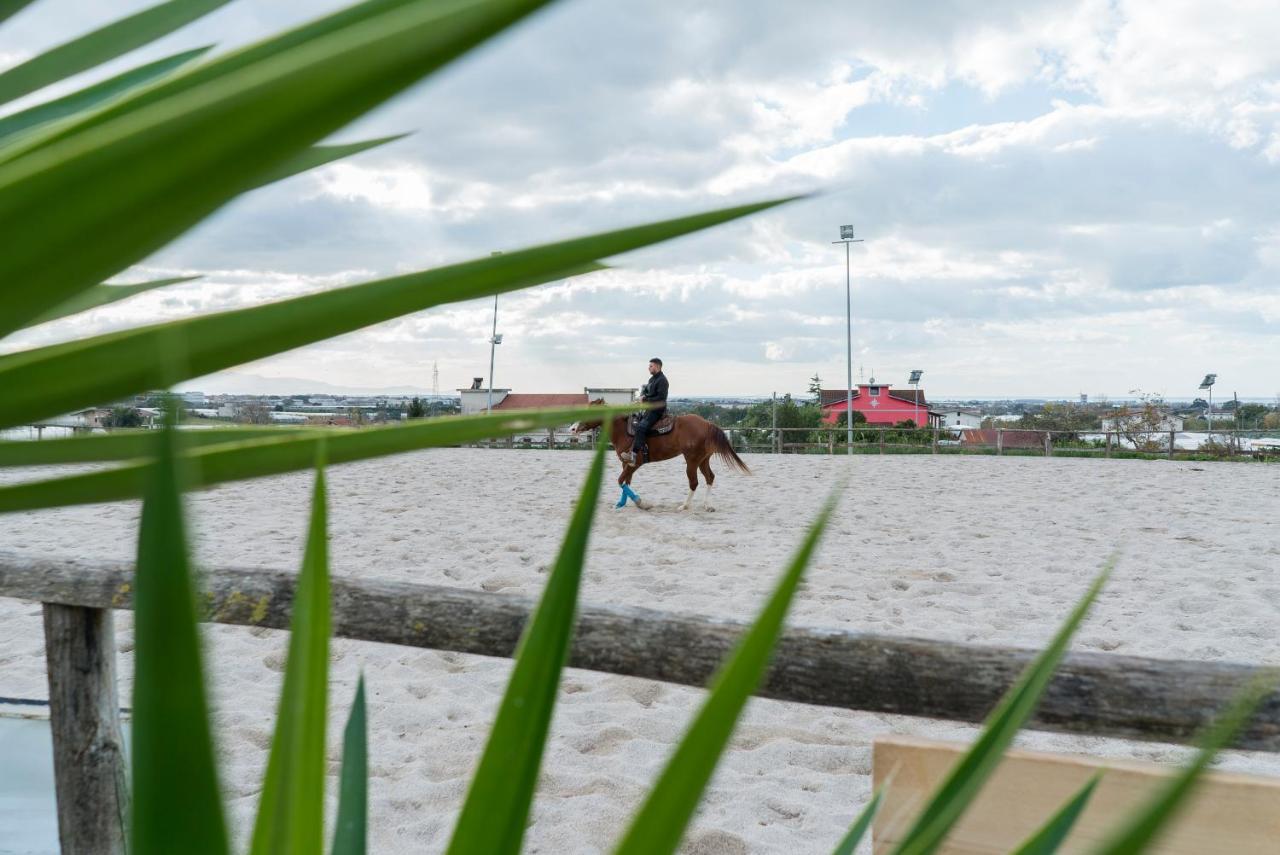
130, 178
965, 781
101, 45
1047, 840
95, 95
291, 451
851, 840
496, 811
1143, 827
121, 445
291, 807
176, 802
350, 831
47, 381
660, 823
104, 295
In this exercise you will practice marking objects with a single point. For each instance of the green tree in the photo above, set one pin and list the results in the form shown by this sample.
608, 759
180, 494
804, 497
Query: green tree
815, 389
123, 417
417, 409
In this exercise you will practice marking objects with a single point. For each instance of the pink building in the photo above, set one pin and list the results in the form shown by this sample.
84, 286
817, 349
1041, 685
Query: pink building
880, 404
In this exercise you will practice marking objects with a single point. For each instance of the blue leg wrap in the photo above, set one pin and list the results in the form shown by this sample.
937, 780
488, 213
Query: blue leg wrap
627, 493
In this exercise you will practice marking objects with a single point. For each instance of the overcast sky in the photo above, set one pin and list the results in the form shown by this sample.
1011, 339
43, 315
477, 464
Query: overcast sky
1055, 197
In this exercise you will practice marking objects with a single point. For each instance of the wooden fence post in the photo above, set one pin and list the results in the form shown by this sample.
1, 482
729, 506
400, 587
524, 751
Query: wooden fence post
999, 440
935, 440
84, 716
1172, 442
1108, 453
1048, 444
882, 440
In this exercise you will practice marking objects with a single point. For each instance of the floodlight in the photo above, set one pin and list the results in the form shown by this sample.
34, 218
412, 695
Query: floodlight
1208, 381
915, 377
846, 233
497, 339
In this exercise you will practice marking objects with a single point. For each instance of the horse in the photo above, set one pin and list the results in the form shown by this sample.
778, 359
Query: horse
692, 436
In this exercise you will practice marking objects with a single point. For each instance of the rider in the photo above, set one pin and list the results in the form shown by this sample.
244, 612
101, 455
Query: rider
653, 393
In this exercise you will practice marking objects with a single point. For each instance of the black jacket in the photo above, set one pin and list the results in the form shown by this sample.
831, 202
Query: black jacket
655, 391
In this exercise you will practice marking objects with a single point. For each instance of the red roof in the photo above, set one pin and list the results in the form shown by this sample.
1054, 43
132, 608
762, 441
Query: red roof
526, 402
832, 397
1009, 438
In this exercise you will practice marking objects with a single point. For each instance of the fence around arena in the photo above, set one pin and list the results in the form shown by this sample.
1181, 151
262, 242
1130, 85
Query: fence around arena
875, 439
1101, 694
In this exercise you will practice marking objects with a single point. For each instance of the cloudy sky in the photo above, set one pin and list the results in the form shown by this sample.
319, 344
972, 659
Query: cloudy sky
1055, 198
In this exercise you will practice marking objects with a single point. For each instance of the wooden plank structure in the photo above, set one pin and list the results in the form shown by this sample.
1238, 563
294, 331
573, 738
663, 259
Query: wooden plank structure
1239, 814
1099, 694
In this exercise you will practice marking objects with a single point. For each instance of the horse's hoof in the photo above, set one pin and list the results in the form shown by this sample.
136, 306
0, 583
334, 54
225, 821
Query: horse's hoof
708, 508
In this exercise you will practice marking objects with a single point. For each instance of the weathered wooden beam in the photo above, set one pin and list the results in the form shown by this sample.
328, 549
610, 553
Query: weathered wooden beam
1099, 694
84, 715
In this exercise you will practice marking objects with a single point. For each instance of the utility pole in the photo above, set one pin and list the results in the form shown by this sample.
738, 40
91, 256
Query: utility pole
494, 341
846, 238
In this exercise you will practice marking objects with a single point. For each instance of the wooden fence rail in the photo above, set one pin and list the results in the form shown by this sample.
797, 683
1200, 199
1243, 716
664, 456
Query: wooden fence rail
1098, 694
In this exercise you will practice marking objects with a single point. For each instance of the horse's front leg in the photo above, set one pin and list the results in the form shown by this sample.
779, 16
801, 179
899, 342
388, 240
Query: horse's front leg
691, 470
624, 481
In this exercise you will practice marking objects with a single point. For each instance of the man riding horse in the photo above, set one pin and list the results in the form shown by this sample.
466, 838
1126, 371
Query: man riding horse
654, 393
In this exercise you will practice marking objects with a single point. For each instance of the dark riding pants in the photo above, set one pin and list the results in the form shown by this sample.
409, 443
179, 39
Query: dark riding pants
651, 418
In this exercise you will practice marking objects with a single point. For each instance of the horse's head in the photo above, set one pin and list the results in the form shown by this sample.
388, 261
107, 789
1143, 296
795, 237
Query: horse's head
583, 427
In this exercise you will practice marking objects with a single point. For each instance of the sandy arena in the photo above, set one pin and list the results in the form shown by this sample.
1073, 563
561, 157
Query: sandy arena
976, 549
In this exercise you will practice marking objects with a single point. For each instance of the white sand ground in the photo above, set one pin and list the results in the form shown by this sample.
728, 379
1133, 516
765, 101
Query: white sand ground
976, 549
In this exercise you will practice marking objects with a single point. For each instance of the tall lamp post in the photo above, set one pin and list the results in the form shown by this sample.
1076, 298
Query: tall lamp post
494, 341
846, 238
915, 381
1207, 383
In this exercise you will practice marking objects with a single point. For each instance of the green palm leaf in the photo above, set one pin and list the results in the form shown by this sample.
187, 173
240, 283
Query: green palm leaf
851, 840
12, 7
103, 295
319, 155
1143, 827
128, 185
95, 95
496, 811
102, 45
971, 772
660, 823
121, 445
44, 382
350, 829
176, 804
1047, 840
291, 807
290, 451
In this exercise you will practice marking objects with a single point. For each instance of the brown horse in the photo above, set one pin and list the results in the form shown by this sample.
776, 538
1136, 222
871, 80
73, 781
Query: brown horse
693, 436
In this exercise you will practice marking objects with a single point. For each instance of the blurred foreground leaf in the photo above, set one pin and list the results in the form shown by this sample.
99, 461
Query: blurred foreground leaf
176, 802
660, 823
496, 811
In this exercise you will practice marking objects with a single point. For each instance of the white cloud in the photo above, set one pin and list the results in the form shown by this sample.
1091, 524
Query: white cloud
1055, 196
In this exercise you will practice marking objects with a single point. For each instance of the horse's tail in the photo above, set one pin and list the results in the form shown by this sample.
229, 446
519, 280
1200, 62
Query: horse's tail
723, 449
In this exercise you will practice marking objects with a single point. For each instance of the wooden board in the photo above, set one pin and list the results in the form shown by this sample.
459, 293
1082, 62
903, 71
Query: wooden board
1229, 813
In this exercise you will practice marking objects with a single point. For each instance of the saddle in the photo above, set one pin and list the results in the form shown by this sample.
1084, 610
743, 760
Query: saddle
665, 424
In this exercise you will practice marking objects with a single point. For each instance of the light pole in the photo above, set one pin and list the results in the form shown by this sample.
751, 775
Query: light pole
1207, 383
494, 341
846, 238
915, 399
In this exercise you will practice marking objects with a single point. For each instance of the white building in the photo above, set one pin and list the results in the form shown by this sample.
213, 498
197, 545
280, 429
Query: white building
476, 399
961, 419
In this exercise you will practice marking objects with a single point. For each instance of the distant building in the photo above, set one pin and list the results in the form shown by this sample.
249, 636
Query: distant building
476, 399
880, 404
959, 419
